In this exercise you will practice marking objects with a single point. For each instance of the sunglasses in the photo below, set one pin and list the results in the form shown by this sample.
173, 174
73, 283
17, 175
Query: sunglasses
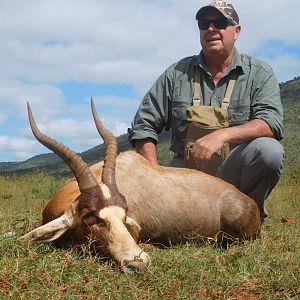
204, 24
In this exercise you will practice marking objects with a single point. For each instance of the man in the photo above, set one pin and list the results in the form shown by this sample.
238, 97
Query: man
255, 111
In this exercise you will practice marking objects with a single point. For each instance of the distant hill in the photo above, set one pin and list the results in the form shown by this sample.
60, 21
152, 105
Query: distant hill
50, 163
290, 93
41, 160
290, 90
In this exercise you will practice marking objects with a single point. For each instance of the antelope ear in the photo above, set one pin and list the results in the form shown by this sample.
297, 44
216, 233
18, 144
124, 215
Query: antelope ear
133, 227
54, 229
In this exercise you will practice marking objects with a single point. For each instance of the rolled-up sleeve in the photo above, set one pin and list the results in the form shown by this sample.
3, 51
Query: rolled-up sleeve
152, 114
266, 103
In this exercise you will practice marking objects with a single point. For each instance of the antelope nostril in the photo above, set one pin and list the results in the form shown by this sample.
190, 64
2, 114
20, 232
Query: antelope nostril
138, 264
130, 268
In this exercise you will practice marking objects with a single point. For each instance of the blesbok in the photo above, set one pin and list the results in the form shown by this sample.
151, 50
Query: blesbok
125, 199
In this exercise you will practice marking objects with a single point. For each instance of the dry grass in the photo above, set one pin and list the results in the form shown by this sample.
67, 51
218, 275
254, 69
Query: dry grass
267, 268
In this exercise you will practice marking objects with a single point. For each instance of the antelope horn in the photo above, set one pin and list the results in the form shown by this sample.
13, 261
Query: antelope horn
108, 173
80, 169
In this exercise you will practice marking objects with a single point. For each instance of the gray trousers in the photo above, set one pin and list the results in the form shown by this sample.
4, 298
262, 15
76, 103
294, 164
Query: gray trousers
253, 167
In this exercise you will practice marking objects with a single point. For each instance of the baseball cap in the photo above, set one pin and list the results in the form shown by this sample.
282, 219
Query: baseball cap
225, 8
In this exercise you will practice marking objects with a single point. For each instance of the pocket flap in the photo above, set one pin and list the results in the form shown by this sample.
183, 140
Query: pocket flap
208, 116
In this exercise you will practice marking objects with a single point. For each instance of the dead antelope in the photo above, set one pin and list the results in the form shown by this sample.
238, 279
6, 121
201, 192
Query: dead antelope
125, 199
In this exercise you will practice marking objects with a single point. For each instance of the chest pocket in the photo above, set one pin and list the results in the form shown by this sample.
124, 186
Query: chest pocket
239, 111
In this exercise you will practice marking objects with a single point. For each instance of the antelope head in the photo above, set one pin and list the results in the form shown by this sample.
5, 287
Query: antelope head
99, 213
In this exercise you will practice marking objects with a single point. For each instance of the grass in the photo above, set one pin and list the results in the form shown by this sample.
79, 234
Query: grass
266, 268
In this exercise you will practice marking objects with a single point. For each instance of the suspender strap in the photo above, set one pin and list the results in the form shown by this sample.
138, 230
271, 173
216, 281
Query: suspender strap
198, 98
232, 81
197, 92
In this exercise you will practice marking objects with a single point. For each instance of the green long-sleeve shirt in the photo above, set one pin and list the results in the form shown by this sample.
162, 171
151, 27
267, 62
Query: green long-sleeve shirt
256, 95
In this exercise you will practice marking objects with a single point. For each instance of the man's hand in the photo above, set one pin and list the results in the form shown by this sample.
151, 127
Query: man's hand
205, 147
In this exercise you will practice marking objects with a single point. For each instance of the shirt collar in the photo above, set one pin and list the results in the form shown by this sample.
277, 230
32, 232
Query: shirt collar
236, 62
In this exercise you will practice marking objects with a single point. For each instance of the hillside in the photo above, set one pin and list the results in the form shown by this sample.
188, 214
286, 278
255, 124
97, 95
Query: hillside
52, 164
290, 93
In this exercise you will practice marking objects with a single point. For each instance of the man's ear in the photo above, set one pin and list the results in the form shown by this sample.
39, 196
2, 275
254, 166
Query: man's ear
237, 33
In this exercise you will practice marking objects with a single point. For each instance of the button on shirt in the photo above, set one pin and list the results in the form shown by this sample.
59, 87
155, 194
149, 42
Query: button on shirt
256, 95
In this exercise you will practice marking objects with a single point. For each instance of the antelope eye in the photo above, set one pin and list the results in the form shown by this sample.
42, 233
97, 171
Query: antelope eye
88, 215
101, 222
91, 219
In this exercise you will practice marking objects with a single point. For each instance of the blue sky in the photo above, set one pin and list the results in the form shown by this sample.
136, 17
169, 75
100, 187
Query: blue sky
57, 53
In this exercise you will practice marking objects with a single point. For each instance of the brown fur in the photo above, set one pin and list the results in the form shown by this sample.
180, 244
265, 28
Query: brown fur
171, 204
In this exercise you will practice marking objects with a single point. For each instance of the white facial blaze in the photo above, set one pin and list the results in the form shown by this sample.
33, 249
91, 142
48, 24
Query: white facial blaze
122, 245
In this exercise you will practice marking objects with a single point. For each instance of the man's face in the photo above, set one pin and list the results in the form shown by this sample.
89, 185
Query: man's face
218, 41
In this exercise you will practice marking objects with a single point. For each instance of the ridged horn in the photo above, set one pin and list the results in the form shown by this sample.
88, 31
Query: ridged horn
80, 169
108, 173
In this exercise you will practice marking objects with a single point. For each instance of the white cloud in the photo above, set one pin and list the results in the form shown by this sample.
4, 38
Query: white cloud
267, 20
72, 129
14, 95
21, 147
7, 143
288, 66
47, 43
102, 41
93, 40
114, 107
76, 134
67, 128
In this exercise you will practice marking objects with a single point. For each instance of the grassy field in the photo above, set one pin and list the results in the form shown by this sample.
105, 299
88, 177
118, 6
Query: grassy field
267, 268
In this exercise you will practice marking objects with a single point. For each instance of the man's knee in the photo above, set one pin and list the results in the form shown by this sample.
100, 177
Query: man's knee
268, 152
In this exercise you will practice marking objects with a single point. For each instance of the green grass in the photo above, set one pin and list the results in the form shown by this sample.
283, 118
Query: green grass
266, 268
